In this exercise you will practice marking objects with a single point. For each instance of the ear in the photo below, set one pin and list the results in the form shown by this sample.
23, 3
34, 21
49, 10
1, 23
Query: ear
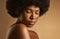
20, 18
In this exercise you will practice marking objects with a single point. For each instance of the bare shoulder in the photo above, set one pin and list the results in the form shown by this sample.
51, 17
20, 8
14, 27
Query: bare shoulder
23, 31
21, 27
19, 31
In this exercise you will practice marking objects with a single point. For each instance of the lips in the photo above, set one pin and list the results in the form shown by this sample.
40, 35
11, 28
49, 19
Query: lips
31, 22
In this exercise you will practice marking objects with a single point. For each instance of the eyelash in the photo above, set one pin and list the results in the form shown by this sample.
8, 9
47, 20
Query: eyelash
31, 12
36, 12
28, 11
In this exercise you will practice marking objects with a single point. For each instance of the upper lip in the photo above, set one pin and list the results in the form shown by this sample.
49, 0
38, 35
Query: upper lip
31, 21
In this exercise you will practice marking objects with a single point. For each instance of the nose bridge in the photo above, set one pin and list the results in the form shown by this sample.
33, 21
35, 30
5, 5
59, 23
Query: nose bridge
33, 15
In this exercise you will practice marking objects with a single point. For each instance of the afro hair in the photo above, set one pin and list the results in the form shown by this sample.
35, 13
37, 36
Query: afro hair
19, 5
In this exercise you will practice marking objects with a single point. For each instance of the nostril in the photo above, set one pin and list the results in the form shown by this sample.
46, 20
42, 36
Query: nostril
32, 17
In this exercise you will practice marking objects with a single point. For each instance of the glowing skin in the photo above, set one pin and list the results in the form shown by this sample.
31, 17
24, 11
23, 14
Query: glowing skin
27, 19
30, 15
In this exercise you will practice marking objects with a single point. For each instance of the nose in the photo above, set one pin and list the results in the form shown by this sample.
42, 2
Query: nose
32, 16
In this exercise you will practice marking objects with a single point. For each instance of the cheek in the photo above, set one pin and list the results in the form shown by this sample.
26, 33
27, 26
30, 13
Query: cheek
27, 16
36, 16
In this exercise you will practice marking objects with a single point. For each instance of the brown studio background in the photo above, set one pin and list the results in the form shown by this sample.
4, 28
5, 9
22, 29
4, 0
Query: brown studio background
47, 27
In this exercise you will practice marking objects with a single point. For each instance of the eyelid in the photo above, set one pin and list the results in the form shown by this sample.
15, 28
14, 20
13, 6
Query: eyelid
28, 11
37, 12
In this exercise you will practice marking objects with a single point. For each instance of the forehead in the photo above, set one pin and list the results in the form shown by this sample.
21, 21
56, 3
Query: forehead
33, 7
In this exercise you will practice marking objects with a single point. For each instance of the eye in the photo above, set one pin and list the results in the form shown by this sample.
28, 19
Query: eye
37, 12
28, 11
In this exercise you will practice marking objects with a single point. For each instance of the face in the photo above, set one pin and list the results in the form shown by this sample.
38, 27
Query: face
31, 15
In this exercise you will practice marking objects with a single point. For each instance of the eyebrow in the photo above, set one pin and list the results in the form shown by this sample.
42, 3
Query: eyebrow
31, 9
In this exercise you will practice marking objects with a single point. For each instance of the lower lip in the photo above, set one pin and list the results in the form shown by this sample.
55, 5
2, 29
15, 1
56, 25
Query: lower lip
32, 23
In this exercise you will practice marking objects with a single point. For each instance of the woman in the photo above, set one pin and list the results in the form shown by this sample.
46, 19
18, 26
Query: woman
27, 12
